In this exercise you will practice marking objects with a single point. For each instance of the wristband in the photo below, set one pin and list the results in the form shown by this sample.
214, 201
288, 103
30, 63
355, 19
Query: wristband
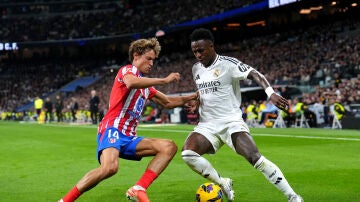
269, 91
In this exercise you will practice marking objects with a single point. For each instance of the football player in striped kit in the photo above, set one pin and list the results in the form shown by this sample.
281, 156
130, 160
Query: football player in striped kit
117, 131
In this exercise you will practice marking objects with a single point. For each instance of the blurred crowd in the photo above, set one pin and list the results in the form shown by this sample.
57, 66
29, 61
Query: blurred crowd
327, 109
81, 19
21, 82
324, 58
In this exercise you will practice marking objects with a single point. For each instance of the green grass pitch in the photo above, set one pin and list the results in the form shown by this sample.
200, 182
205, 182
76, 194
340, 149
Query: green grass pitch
42, 162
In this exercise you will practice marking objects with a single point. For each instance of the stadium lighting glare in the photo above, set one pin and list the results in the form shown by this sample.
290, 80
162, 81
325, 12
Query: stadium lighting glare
305, 11
233, 24
261, 23
333, 3
159, 33
354, 4
316, 8
277, 3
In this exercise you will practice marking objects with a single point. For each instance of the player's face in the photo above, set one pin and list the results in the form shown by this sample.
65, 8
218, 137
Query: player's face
145, 61
203, 51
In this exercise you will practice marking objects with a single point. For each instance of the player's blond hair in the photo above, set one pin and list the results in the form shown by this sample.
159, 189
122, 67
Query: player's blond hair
142, 46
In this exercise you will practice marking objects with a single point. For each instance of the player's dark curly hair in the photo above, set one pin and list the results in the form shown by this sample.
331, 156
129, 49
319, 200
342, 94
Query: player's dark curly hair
202, 34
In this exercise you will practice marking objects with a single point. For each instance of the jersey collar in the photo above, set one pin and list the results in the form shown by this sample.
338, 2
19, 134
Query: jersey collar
216, 59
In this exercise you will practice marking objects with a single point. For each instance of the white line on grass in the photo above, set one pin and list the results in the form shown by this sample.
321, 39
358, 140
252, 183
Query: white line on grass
142, 128
68, 125
265, 135
309, 137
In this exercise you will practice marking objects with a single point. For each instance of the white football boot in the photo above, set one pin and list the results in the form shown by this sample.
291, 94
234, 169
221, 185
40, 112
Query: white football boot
226, 187
296, 198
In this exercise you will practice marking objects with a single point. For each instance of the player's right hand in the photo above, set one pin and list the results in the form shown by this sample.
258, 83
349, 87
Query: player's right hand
175, 76
279, 102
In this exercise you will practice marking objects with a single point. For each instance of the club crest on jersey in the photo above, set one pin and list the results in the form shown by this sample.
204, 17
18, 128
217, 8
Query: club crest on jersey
216, 72
112, 140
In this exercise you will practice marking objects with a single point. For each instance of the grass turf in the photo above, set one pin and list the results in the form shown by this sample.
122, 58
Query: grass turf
42, 162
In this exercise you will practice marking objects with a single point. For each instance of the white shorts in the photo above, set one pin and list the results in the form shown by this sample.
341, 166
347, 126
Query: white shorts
220, 134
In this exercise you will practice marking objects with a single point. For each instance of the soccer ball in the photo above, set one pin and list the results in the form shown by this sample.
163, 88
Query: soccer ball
209, 192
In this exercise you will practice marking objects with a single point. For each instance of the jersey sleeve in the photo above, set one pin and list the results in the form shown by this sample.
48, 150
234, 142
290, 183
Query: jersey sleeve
241, 70
124, 70
128, 69
152, 92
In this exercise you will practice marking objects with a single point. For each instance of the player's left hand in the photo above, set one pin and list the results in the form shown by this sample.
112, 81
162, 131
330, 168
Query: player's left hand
279, 102
191, 106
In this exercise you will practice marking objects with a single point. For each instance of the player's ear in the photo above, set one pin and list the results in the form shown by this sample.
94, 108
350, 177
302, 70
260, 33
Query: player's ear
135, 56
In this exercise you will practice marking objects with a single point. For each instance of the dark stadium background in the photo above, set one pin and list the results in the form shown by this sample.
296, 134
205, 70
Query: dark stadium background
46, 45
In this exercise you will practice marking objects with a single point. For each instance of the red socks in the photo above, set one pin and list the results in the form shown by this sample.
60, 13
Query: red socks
72, 195
148, 177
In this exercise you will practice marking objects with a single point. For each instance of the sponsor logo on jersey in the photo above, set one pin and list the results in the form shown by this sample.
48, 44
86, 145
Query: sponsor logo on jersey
208, 90
208, 87
133, 114
208, 84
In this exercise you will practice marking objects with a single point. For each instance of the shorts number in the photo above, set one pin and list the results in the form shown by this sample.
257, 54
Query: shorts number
114, 134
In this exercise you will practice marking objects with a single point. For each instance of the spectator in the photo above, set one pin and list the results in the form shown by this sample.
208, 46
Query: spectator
48, 106
74, 106
94, 106
38, 105
270, 111
59, 105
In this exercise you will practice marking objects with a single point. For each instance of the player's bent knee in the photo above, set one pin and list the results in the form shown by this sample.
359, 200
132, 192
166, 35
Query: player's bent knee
189, 156
108, 171
169, 147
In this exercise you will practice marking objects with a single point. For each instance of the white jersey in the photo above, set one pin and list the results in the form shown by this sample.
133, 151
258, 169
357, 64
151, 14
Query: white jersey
219, 89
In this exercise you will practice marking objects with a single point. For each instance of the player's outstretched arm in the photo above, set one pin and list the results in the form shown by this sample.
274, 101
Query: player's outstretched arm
192, 105
172, 102
276, 99
132, 81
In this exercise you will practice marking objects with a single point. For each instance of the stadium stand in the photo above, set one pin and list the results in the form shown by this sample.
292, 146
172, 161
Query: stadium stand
81, 82
55, 20
321, 57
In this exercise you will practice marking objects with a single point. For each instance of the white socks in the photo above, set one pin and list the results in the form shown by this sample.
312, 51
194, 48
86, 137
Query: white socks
274, 175
200, 165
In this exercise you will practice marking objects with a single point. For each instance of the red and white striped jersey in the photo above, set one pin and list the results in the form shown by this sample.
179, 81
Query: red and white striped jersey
125, 105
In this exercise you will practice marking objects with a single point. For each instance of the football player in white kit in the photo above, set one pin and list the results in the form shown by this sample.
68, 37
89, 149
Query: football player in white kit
217, 78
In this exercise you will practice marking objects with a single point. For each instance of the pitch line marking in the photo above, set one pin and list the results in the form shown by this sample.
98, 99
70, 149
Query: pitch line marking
141, 128
266, 135
309, 137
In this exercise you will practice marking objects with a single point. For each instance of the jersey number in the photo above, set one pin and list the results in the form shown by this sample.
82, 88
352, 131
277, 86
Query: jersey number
243, 67
113, 134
